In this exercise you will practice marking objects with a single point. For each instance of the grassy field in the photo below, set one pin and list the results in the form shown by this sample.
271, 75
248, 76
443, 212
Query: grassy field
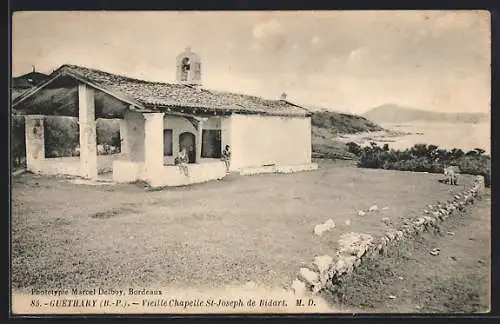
220, 233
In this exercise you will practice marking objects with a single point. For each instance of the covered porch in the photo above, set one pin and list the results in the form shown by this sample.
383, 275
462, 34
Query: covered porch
150, 136
152, 140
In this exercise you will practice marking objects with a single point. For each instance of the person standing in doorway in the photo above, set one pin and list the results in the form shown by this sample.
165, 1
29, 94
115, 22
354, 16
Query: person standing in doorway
191, 154
226, 157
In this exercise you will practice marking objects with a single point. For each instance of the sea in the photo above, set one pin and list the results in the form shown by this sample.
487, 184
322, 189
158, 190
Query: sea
466, 136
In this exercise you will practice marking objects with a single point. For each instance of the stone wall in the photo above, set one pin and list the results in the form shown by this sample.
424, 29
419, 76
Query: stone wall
326, 272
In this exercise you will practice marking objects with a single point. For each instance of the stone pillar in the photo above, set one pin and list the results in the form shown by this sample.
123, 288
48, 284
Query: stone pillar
124, 145
35, 142
199, 140
153, 145
88, 141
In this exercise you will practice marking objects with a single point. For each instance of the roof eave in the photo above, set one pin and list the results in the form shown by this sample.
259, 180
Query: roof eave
32, 91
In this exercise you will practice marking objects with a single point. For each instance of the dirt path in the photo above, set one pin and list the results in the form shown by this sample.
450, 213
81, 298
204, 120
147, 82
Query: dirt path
411, 280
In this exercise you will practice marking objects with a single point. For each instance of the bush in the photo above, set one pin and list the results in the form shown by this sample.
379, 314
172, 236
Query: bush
62, 137
476, 165
108, 132
354, 148
17, 142
331, 150
424, 158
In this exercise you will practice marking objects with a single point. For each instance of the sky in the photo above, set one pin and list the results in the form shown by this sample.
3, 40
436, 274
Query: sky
347, 61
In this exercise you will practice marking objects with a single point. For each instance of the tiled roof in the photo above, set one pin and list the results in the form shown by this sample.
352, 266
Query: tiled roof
178, 96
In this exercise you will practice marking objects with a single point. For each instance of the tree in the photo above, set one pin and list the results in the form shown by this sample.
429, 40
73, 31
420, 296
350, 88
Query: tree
432, 151
17, 141
472, 153
457, 153
61, 136
479, 151
442, 154
419, 150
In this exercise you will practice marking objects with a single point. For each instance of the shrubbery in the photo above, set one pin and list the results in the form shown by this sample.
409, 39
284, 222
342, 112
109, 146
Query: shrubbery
61, 137
108, 132
17, 142
332, 151
423, 158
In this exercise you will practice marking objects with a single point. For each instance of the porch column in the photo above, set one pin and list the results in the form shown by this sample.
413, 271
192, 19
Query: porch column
199, 141
124, 145
153, 144
88, 143
35, 142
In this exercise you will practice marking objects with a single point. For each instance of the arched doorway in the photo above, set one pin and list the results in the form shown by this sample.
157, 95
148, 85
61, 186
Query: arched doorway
187, 140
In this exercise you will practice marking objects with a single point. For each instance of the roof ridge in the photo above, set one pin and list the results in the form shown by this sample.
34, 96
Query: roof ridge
209, 91
240, 94
128, 78
298, 106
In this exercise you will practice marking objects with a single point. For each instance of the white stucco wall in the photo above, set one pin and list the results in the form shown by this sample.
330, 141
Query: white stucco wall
225, 126
64, 165
260, 140
198, 173
255, 141
134, 123
70, 165
127, 171
133, 130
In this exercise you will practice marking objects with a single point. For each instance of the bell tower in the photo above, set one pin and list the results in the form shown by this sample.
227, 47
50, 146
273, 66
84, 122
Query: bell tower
188, 68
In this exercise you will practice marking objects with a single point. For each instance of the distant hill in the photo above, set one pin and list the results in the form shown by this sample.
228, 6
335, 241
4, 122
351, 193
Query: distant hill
392, 113
29, 80
327, 125
340, 123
